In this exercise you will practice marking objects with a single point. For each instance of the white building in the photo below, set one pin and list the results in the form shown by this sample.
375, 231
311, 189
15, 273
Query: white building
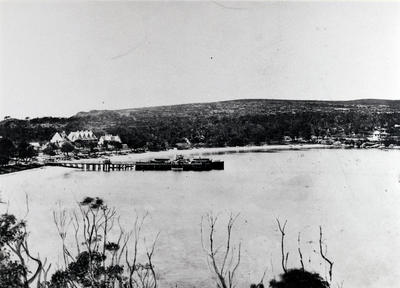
84, 135
109, 138
35, 145
287, 139
378, 135
59, 138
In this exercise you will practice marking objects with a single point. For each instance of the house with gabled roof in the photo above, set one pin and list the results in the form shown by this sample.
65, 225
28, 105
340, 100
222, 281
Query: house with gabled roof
109, 138
59, 138
83, 135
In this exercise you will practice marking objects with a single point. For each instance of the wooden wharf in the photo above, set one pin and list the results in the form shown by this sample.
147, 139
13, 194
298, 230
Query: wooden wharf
105, 166
197, 164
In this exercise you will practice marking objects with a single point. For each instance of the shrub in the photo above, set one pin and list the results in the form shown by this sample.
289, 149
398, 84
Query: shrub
299, 278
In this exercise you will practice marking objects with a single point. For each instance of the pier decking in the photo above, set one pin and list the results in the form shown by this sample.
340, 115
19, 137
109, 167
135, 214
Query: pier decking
197, 164
96, 166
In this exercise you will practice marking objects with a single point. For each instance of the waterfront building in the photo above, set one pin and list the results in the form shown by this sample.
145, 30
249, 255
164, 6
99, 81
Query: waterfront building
287, 139
185, 144
84, 136
378, 135
109, 138
35, 145
59, 138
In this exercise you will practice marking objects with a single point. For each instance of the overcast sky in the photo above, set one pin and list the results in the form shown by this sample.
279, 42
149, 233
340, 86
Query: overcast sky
57, 59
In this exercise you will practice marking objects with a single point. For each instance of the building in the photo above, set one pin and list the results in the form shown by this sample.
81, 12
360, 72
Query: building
84, 135
287, 139
109, 138
59, 138
35, 145
378, 135
185, 144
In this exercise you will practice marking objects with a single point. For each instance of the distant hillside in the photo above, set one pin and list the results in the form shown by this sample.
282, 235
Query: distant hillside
236, 122
244, 105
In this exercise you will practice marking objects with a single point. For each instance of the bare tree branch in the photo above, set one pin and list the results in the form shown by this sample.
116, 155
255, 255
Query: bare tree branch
284, 258
323, 255
300, 254
224, 270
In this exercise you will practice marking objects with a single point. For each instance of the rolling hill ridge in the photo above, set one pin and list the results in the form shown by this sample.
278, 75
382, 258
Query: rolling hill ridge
233, 123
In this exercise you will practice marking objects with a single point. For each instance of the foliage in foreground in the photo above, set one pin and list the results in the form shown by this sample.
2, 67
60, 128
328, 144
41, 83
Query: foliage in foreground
103, 258
99, 260
14, 254
224, 259
299, 278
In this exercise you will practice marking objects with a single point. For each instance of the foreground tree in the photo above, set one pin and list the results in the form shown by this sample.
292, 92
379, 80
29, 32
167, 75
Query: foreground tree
7, 150
50, 149
225, 264
117, 145
25, 151
92, 146
67, 148
299, 278
99, 260
15, 254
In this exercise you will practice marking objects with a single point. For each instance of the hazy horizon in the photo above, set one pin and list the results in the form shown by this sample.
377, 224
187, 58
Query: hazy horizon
58, 59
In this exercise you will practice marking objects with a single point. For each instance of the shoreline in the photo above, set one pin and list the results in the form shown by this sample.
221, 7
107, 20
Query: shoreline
209, 151
9, 169
194, 152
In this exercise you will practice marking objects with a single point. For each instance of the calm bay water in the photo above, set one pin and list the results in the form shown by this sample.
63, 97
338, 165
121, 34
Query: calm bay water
353, 194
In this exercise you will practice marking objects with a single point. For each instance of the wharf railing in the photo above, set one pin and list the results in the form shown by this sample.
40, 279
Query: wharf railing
96, 166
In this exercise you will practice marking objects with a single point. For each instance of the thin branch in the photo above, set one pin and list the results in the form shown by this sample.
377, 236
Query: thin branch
263, 276
39, 263
324, 256
284, 259
300, 254
226, 268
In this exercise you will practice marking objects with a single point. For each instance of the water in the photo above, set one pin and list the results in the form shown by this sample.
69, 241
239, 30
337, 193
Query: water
353, 194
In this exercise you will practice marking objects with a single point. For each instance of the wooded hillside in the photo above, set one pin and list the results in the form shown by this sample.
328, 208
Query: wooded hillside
233, 123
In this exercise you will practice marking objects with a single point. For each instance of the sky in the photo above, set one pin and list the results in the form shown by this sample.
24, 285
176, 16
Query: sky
59, 58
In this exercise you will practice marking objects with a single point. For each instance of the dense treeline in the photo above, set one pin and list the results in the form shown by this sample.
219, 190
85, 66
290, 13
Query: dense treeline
38, 129
22, 152
233, 123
